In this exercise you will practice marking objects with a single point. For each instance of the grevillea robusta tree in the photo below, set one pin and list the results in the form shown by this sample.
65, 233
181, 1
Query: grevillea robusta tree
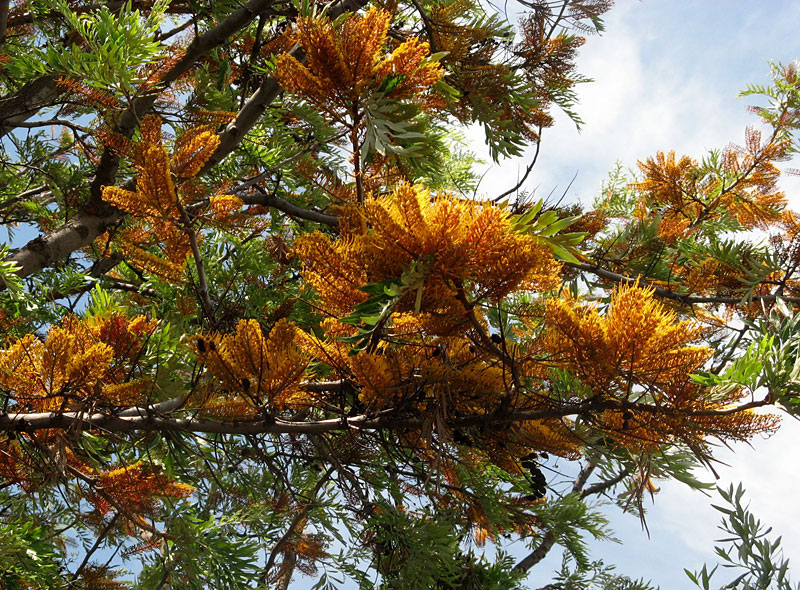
257, 327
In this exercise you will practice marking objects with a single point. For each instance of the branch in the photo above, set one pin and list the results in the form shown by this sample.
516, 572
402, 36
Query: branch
426, 21
202, 282
668, 294
522, 180
299, 518
274, 201
150, 421
147, 418
538, 554
24, 195
96, 546
602, 486
26, 102
3, 19
78, 232
53, 123
549, 539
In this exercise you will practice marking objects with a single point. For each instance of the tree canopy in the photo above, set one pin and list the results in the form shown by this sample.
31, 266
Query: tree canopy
267, 331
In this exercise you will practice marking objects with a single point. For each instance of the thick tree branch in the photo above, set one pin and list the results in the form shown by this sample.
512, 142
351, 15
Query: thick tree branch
78, 232
152, 418
26, 102
4, 5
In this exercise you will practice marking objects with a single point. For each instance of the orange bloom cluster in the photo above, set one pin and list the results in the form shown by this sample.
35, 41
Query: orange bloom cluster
684, 193
154, 205
346, 63
253, 372
709, 276
637, 342
638, 353
88, 94
80, 362
101, 577
423, 372
136, 488
466, 245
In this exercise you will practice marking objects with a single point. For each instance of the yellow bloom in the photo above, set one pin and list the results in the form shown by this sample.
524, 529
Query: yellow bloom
466, 244
639, 353
345, 63
265, 371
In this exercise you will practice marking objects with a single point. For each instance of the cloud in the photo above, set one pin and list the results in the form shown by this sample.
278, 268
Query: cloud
646, 96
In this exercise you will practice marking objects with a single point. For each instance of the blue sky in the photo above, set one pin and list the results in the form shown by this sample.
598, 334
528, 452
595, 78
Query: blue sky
667, 75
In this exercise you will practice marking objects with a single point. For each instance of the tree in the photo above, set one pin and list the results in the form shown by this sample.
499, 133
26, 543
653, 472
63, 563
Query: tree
266, 331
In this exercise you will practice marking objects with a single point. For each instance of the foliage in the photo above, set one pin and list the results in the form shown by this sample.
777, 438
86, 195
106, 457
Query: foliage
266, 334
747, 547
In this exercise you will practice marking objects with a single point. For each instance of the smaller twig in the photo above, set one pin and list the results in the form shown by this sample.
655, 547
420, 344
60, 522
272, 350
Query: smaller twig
548, 540
527, 170
176, 30
202, 287
274, 201
53, 122
299, 517
427, 23
668, 294
96, 545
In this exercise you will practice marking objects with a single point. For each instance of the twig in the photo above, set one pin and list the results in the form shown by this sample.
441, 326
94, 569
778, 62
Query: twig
299, 517
202, 287
96, 545
668, 294
527, 171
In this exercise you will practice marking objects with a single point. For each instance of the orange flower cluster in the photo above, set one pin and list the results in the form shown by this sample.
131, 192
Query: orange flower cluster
709, 276
101, 577
79, 363
136, 488
424, 372
346, 63
154, 206
253, 372
88, 94
638, 353
684, 193
467, 246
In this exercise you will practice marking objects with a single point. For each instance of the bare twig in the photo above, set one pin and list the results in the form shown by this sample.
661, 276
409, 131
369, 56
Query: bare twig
527, 170
202, 282
96, 546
